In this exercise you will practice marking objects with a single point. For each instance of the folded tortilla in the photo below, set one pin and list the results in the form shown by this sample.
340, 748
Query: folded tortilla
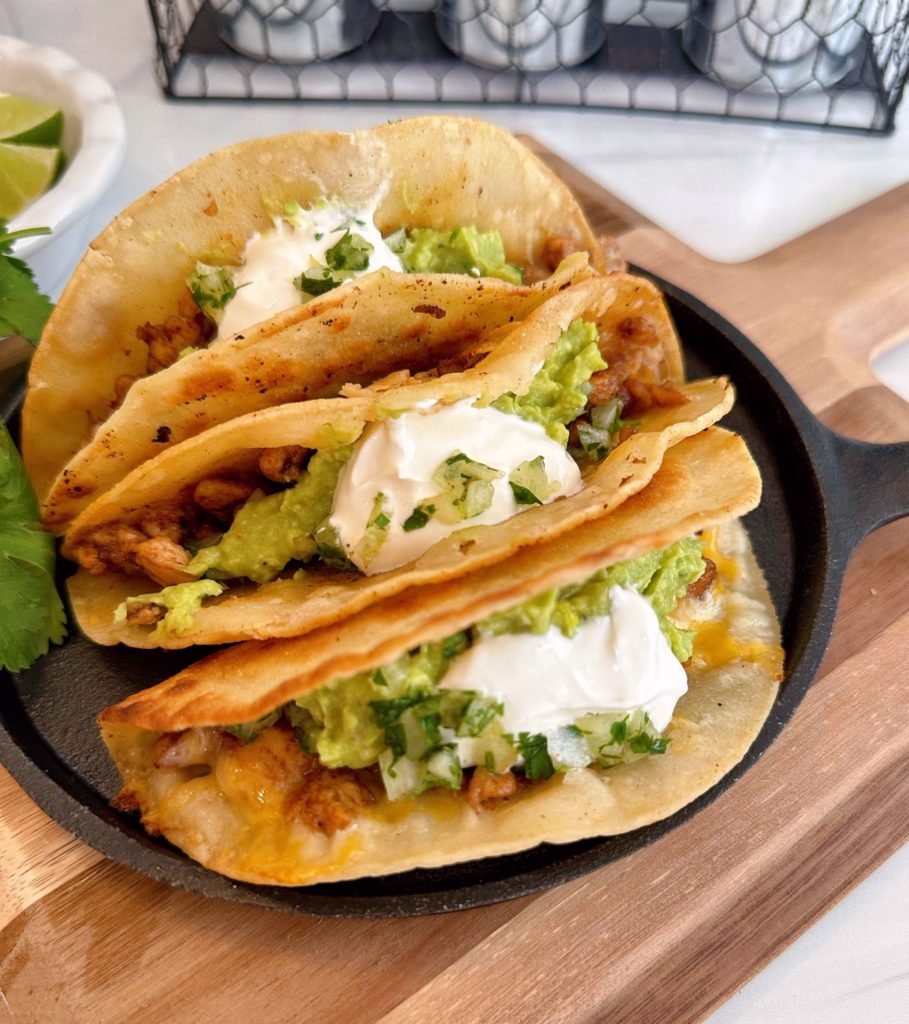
437, 172
297, 603
210, 812
377, 325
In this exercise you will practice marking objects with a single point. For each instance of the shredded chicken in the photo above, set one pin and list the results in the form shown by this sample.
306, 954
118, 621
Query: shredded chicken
330, 799
644, 396
110, 548
143, 613
164, 561
557, 248
485, 786
220, 496
704, 582
165, 519
283, 465
189, 748
190, 328
605, 385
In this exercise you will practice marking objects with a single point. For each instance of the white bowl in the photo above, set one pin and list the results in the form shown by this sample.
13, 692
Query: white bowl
94, 141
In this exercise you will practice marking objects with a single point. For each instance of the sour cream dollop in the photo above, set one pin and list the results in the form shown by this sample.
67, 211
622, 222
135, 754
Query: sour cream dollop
272, 259
618, 662
398, 457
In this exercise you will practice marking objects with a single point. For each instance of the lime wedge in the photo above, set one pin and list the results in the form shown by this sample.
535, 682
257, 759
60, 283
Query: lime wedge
25, 172
28, 121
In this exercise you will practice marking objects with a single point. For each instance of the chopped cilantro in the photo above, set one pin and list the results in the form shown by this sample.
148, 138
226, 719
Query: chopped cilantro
453, 645
350, 252
212, 288
317, 285
419, 517
535, 751
524, 496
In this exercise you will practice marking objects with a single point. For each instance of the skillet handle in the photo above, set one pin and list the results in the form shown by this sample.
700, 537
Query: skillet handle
874, 482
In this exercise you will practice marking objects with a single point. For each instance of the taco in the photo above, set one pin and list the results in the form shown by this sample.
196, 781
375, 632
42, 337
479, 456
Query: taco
395, 486
382, 324
544, 699
262, 226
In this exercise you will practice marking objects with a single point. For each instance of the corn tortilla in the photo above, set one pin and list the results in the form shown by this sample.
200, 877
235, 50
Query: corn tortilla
287, 606
703, 481
438, 172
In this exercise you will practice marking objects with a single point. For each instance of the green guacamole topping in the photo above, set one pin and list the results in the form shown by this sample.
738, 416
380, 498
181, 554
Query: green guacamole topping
661, 576
401, 706
462, 251
558, 393
181, 602
271, 530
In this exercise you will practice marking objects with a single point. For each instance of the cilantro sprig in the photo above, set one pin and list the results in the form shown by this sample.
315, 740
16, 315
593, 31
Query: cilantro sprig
23, 308
31, 613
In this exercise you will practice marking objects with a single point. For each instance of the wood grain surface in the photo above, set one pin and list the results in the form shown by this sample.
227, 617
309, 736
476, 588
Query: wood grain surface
665, 935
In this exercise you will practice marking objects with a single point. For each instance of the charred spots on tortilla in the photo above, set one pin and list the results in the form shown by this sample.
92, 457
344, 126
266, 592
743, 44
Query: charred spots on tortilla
434, 311
465, 546
162, 435
212, 209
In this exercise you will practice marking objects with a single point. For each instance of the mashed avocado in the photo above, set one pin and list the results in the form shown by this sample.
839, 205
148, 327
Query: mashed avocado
558, 393
338, 721
181, 602
462, 251
271, 530
661, 576
349, 722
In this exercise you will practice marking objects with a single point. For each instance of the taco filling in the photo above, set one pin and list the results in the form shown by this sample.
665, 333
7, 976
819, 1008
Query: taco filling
587, 674
405, 482
311, 251
378, 501
537, 701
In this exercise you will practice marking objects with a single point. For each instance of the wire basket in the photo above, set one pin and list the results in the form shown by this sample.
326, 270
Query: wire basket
831, 63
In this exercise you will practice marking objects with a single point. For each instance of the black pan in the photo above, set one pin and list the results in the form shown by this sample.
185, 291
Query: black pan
822, 494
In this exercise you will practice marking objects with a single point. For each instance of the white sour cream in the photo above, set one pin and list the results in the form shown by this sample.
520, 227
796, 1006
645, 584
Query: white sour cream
398, 457
618, 662
273, 259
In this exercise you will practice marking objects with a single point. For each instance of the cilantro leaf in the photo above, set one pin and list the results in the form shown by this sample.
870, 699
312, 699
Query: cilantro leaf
31, 613
535, 751
23, 309
317, 285
351, 252
419, 517
523, 495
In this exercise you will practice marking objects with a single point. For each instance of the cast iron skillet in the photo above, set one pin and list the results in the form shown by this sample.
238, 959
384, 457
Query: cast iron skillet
822, 494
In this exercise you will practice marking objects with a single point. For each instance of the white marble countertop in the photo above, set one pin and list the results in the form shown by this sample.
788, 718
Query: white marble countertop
703, 181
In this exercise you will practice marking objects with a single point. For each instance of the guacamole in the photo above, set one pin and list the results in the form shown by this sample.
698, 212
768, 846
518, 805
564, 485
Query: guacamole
462, 251
558, 393
271, 530
401, 716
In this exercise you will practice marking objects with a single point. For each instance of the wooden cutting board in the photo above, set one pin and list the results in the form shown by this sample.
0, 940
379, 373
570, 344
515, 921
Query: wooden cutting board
665, 935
